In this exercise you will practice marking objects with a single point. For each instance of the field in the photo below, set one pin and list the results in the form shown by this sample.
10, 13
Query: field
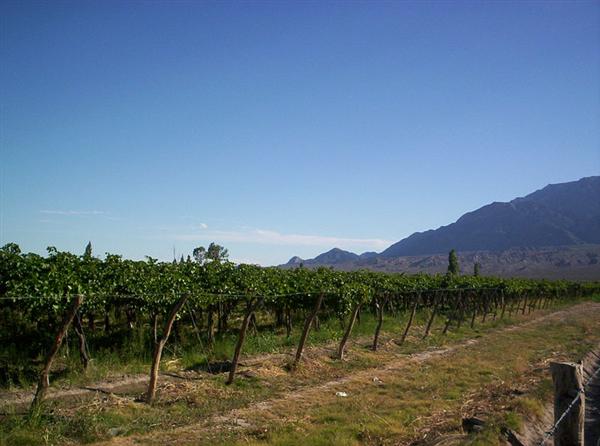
394, 395
148, 353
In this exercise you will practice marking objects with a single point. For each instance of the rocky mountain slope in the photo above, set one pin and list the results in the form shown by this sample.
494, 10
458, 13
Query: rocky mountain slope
553, 232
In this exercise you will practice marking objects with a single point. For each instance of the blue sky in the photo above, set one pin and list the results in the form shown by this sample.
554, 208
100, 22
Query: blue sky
284, 128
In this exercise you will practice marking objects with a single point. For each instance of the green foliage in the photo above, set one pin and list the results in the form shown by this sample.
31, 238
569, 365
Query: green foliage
214, 253
453, 266
35, 291
150, 287
88, 251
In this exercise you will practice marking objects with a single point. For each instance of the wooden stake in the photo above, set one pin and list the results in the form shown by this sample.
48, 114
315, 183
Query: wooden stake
461, 309
240, 342
524, 304
379, 307
568, 381
473, 317
158, 348
44, 379
344, 340
503, 305
433, 312
307, 324
410, 321
83, 353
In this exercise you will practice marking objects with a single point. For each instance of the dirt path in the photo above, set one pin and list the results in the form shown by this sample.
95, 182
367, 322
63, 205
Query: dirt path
107, 386
305, 396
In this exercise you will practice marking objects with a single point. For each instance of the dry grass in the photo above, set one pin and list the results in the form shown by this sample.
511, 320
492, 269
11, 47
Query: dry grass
396, 395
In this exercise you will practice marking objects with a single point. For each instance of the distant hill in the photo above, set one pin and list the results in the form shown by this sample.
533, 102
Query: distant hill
560, 216
335, 256
557, 215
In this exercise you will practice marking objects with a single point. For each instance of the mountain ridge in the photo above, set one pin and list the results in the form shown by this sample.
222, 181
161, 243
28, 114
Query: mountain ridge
557, 215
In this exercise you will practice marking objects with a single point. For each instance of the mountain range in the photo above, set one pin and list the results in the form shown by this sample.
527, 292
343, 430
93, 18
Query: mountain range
553, 232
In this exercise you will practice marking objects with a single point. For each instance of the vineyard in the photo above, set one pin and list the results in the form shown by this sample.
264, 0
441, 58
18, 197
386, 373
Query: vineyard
106, 303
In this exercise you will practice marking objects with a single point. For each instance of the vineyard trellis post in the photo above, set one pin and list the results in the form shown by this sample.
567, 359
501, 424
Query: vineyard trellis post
44, 378
250, 308
525, 296
410, 319
432, 317
83, 350
503, 300
568, 384
461, 308
379, 304
344, 340
474, 315
158, 348
307, 324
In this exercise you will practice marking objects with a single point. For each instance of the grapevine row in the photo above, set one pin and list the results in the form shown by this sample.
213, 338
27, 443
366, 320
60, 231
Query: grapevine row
62, 287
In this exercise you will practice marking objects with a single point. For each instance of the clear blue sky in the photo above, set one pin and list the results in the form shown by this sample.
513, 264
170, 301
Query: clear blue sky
285, 128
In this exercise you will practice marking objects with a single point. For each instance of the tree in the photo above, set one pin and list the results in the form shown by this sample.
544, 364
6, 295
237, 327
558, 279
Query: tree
214, 253
11, 248
88, 251
453, 266
199, 254
217, 253
476, 269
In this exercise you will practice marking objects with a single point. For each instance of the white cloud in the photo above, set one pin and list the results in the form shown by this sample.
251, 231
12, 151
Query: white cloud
61, 212
262, 236
203, 226
246, 260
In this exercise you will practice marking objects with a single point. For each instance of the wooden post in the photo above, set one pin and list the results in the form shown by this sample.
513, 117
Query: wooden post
83, 353
512, 306
342, 347
461, 309
307, 325
241, 337
503, 304
473, 316
431, 318
158, 348
193, 319
568, 381
44, 379
524, 303
410, 321
379, 307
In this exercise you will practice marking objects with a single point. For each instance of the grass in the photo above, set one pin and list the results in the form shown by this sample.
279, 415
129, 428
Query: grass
439, 392
130, 351
372, 415
275, 341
